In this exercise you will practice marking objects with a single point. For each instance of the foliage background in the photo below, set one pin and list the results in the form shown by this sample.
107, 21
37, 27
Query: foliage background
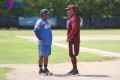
104, 8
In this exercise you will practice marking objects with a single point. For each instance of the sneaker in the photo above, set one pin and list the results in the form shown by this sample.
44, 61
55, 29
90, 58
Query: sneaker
47, 72
41, 71
73, 72
70, 72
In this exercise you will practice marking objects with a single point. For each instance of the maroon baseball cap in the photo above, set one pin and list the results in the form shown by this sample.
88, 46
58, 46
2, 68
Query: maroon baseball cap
70, 7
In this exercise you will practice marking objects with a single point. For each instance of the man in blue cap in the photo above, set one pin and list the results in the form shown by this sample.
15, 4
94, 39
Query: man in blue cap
43, 32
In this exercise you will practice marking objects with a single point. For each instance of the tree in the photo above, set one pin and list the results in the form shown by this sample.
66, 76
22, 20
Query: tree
105, 8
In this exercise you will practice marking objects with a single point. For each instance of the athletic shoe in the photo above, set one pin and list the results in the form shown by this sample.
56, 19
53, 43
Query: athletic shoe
47, 72
41, 71
73, 72
70, 72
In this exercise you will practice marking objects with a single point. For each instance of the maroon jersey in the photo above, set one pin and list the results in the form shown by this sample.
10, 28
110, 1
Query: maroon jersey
73, 32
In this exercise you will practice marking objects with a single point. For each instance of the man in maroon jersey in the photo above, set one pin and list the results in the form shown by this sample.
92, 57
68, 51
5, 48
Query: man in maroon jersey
73, 37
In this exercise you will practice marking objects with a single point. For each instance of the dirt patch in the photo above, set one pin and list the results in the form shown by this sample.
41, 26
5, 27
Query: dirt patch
88, 71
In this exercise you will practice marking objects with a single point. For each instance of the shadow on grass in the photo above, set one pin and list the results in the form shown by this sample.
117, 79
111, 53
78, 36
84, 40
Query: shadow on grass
80, 75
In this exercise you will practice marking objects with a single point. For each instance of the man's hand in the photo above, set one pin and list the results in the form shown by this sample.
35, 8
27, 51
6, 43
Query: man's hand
67, 40
42, 42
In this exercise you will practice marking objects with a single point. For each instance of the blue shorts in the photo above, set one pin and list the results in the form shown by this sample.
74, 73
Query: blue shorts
44, 50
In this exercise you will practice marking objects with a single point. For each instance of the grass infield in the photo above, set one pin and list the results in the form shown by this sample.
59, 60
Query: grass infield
3, 71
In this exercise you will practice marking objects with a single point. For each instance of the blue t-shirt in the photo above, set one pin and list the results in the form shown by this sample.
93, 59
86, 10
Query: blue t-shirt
43, 31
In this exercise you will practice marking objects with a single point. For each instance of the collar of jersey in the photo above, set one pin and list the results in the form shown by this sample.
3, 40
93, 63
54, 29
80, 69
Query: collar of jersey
43, 19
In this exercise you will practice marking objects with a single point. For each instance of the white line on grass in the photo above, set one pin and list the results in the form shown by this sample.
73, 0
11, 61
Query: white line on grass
89, 50
83, 49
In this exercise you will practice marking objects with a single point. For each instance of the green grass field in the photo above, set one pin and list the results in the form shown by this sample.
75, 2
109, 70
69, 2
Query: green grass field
91, 32
4, 71
107, 45
15, 50
111, 45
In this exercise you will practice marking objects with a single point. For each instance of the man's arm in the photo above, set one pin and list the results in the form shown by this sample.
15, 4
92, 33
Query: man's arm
75, 26
37, 29
37, 33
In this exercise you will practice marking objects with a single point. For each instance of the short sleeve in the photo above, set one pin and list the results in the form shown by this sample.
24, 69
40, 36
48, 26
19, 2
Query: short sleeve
38, 24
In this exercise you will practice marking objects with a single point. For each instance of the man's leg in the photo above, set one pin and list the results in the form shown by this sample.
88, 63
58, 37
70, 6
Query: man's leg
47, 52
46, 71
74, 71
40, 62
72, 53
74, 62
45, 62
75, 52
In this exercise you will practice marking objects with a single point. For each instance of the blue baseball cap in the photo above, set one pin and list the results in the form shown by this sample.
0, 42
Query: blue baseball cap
44, 11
